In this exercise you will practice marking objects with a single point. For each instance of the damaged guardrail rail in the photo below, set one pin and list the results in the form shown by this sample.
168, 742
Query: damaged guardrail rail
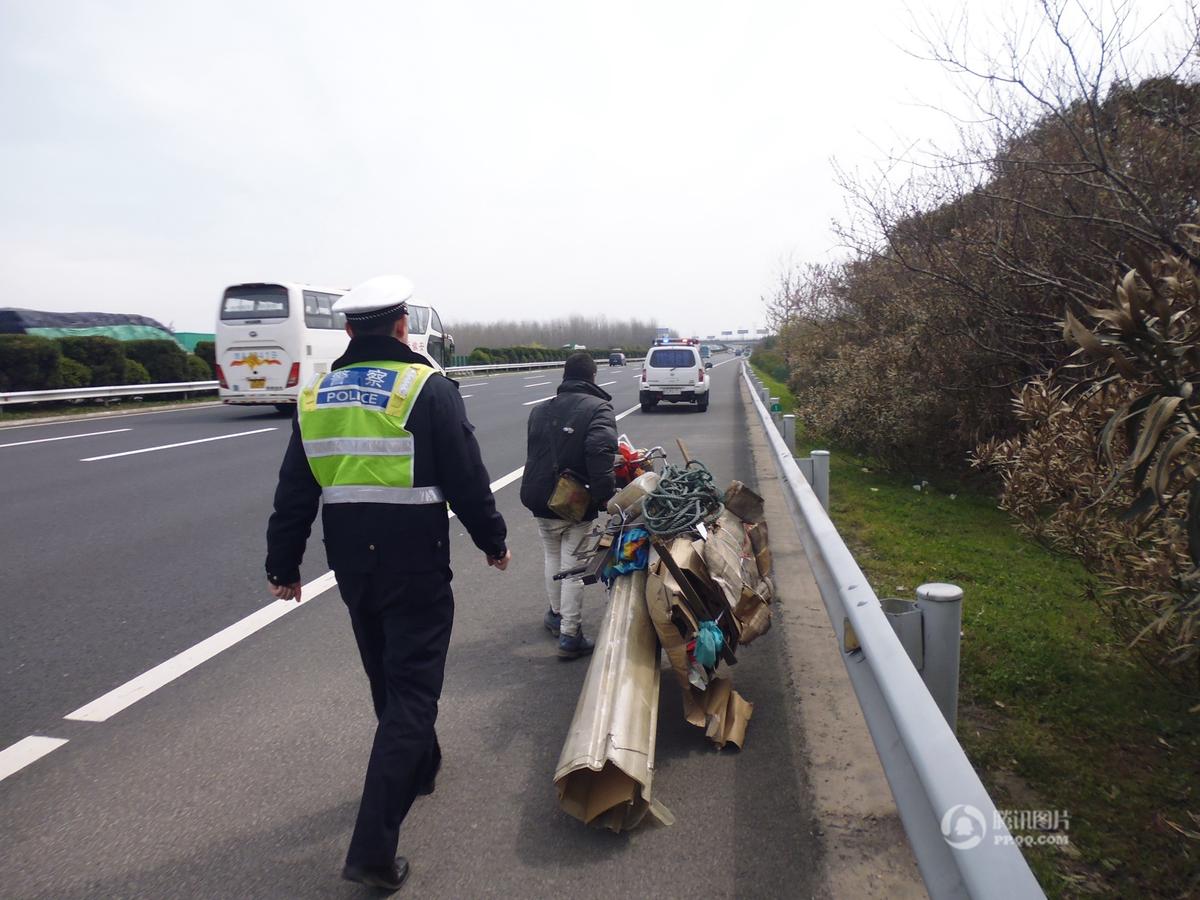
931, 778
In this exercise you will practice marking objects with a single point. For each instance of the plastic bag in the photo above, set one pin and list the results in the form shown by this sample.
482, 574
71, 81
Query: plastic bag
709, 642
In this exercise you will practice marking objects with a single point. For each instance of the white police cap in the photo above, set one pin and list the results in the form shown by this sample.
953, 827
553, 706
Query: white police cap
375, 298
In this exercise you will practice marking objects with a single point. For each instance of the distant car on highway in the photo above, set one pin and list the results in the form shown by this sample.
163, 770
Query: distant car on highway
616, 357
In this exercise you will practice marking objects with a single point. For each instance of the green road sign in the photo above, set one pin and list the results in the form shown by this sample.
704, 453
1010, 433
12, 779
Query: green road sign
775, 407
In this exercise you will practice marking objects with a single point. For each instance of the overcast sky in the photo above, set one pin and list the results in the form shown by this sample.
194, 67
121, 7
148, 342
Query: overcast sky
514, 159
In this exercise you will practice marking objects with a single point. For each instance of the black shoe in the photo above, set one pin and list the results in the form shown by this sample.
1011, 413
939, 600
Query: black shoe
573, 646
389, 878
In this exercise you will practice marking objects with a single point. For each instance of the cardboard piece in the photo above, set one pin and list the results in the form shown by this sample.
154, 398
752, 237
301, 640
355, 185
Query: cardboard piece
744, 503
754, 614
723, 555
727, 714
761, 548
707, 601
675, 626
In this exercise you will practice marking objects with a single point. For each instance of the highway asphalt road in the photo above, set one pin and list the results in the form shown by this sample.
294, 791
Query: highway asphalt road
241, 776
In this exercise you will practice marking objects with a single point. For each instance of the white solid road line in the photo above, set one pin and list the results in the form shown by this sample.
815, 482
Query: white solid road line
107, 706
32, 748
540, 400
506, 480
605, 383
465, 396
103, 708
219, 437
65, 437
26, 751
539, 384
474, 384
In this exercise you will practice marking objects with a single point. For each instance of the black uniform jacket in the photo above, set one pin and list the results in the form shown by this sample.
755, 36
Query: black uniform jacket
365, 537
579, 426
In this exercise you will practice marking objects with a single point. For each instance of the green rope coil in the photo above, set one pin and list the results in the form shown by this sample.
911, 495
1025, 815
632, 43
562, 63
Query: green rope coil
684, 497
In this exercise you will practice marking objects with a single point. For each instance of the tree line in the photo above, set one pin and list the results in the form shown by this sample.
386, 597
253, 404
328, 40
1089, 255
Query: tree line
594, 332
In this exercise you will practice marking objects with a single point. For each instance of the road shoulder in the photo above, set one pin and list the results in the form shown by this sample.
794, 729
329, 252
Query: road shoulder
866, 853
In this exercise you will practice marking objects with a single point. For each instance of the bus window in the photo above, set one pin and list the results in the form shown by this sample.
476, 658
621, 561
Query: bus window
418, 319
255, 301
318, 311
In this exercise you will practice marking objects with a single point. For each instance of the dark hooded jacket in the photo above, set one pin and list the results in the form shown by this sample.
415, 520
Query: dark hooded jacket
578, 431
366, 537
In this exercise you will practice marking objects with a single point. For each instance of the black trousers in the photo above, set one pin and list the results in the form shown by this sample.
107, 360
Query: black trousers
402, 625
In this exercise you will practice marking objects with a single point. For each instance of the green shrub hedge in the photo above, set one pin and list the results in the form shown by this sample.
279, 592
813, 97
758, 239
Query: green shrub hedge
103, 356
32, 363
29, 363
198, 369
207, 351
73, 374
135, 373
166, 361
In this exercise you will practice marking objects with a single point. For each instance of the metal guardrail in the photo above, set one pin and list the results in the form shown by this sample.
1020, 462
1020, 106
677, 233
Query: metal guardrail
932, 780
502, 367
195, 387
101, 393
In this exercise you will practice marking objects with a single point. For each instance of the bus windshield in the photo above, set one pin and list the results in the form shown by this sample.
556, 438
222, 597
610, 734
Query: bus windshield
418, 319
255, 301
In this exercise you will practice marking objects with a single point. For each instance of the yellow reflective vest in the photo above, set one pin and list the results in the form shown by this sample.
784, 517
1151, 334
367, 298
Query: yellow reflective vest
352, 423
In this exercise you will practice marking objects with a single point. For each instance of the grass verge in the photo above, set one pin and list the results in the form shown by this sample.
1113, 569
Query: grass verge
1055, 713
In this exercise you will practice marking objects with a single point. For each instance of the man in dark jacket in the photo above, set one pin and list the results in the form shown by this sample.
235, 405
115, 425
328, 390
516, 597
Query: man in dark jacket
578, 431
383, 440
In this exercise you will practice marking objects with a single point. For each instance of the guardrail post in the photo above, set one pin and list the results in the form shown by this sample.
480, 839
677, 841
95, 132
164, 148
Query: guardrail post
941, 614
820, 481
789, 432
905, 618
766, 396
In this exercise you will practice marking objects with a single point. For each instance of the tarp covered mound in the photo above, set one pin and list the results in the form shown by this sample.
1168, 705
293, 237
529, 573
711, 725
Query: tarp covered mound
190, 339
53, 324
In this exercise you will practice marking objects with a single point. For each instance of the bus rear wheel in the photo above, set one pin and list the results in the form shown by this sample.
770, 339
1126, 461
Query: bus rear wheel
285, 409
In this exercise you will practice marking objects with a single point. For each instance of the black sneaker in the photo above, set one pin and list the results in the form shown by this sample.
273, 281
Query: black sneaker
389, 878
573, 646
552, 621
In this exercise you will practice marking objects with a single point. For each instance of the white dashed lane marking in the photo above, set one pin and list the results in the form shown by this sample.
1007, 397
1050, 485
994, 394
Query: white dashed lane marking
219, 437
25, 751
65, 437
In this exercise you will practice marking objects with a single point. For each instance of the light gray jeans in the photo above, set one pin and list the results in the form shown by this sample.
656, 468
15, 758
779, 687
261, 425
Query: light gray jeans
559, 539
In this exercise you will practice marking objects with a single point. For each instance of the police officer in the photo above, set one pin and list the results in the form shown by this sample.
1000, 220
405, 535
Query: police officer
383, 442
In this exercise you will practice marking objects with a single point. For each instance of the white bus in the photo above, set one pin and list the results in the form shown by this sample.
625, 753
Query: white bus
273, 337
